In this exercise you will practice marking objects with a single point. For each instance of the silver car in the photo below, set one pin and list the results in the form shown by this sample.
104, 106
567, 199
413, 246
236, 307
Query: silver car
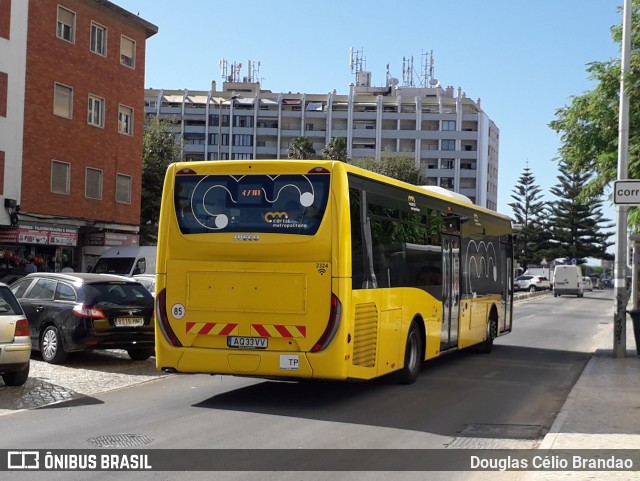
15, 341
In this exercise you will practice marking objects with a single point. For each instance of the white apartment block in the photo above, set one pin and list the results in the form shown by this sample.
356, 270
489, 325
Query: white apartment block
454, 143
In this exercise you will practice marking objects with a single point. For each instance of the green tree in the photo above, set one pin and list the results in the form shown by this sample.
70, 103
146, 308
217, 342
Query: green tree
336, 150
530, 212
576, 226
160, 148
588, 127
401, 168
301, 148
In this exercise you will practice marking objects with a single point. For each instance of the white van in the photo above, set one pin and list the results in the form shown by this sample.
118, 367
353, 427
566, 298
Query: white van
127, 261
567, 280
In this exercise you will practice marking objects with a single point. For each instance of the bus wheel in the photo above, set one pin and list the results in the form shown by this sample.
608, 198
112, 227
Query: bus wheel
492, 332
412, 356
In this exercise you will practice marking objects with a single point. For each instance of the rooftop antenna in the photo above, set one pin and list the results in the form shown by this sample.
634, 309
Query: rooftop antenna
407, 71
224, 69
254, 70
356, 61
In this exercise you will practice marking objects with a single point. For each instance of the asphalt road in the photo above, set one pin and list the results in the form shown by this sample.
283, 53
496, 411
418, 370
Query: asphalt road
507, 399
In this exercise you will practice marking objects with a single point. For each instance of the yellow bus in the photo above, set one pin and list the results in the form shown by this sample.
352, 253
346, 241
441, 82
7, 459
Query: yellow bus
316, 269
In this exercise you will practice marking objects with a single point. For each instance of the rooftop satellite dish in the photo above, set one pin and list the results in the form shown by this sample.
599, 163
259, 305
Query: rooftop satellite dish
393, 82
433, 82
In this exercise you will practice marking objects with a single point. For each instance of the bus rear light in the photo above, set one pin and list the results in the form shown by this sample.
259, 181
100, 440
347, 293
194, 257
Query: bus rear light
332, 325
186, 172
163, 319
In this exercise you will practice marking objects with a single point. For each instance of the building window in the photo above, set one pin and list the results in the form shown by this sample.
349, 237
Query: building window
95, 112
60, 177
4, 91
1, 172
98, 41
5, 19
447, 163
125, 120
123, 189
127, 52
63, 101
449, 125
243, 140
93, 183
446, 182
66, 24
448, 145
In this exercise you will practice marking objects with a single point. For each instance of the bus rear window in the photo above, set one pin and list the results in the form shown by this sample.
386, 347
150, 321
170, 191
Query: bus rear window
282, 204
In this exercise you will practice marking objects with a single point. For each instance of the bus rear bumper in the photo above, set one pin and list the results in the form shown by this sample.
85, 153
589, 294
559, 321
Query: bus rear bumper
237, 362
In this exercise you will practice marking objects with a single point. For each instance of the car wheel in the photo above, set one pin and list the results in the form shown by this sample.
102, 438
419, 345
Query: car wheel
532, 289
51, 345
412, 357
140, 354
16, 378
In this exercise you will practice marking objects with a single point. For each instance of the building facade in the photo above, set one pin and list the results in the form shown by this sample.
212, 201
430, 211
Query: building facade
71, 129
453, 142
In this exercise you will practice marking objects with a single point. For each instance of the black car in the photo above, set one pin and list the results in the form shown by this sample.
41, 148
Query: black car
78, 311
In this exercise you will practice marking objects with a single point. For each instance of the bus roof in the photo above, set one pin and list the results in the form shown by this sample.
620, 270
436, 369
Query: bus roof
293, 165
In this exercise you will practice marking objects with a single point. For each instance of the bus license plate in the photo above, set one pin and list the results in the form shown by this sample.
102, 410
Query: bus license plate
247, 342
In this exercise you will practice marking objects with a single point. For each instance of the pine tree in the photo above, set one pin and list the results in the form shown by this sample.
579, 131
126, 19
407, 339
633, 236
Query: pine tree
576, 225
529, 211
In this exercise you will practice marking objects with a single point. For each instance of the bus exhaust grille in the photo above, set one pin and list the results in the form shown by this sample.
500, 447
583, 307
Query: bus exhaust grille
365, 339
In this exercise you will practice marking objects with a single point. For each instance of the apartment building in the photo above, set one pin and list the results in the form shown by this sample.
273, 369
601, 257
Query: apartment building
71, 129
452, 140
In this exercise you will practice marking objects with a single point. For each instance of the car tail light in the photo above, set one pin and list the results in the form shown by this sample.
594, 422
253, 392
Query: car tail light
163, 319
22, 328
332, 325
84, 311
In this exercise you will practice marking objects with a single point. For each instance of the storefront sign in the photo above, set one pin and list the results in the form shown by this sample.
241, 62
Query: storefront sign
111, 239
8, 236
47, 235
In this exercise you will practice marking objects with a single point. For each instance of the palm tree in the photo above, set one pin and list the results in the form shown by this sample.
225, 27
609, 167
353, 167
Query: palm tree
301, 148
336, 150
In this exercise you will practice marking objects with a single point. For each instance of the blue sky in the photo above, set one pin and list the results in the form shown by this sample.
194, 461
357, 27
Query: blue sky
524, 60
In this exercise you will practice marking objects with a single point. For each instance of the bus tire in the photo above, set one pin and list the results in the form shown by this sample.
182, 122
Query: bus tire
492, 332
412, 356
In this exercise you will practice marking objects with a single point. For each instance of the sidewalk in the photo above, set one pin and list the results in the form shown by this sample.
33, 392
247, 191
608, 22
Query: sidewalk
601, 412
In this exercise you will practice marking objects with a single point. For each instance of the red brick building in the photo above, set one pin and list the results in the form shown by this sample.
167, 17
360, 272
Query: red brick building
71, 128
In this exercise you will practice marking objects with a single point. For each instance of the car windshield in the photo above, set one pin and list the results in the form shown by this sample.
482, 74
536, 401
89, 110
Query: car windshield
113, 265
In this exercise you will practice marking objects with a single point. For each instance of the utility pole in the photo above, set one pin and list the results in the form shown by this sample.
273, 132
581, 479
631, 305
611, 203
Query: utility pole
620, 286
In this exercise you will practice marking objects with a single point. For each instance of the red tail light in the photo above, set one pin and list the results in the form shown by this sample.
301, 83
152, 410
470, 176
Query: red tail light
332, 325
163, 319
22, 328
84, 311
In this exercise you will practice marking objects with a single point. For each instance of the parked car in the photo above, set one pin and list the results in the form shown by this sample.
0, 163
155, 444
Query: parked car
148, 281
607, 282
15, 345
81, 311
587, 284
531, 283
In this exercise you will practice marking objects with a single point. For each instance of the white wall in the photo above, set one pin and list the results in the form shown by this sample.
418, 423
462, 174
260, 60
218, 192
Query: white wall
13, 61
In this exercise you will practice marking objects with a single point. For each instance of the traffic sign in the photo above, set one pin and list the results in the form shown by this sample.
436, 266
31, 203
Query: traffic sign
626, 192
